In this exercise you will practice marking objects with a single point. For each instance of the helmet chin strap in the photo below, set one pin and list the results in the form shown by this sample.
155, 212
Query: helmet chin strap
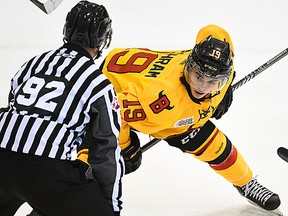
104, 45
99, 53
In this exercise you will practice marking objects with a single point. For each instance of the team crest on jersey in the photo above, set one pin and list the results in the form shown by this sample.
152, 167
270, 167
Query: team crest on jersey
161, 103
204, 113
115, 104
184, 122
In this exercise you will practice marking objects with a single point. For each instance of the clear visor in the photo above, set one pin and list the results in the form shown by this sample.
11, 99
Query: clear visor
202, 83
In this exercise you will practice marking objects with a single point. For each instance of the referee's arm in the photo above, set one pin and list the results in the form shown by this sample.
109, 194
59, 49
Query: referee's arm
104, 152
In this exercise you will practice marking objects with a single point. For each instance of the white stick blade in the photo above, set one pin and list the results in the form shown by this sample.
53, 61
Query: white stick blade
48, 6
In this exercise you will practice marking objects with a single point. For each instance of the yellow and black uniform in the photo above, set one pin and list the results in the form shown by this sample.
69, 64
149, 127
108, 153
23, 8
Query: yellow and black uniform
155, 99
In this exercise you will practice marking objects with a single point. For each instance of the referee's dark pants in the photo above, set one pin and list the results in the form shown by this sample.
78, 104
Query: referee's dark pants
51, 187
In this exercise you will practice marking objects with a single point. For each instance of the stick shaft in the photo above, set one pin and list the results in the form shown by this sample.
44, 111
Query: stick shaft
260, 69
150, 144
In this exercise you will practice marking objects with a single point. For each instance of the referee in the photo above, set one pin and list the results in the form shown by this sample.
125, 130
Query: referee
58, 100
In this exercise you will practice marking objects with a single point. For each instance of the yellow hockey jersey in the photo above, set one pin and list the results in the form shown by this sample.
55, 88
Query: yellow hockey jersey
152, 97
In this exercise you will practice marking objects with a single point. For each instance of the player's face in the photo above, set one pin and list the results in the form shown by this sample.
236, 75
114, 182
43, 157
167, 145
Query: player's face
200, 84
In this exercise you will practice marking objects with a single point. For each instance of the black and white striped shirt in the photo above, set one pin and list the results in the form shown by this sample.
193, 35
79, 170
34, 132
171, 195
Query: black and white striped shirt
55, 99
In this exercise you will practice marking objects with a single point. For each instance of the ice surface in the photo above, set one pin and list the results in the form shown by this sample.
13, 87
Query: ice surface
169, 182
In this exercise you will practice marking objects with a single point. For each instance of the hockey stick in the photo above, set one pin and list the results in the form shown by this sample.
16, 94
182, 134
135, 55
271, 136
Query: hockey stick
283, 153
260, 69
234, 87
150, 144
48, 6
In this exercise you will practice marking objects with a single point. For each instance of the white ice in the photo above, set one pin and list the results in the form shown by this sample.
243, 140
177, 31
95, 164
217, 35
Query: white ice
169, 182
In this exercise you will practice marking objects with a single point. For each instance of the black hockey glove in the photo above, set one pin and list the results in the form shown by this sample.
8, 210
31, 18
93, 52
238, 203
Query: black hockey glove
132, 154
225, 103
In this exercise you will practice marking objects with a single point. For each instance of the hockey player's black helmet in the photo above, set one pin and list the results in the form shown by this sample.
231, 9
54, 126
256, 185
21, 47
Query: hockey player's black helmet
88, 25
212, 58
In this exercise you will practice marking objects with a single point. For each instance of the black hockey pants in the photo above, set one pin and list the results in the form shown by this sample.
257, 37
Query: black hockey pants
51, 187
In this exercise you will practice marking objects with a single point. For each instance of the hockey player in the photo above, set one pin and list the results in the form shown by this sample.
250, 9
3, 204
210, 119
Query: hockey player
171, 95
57, 100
